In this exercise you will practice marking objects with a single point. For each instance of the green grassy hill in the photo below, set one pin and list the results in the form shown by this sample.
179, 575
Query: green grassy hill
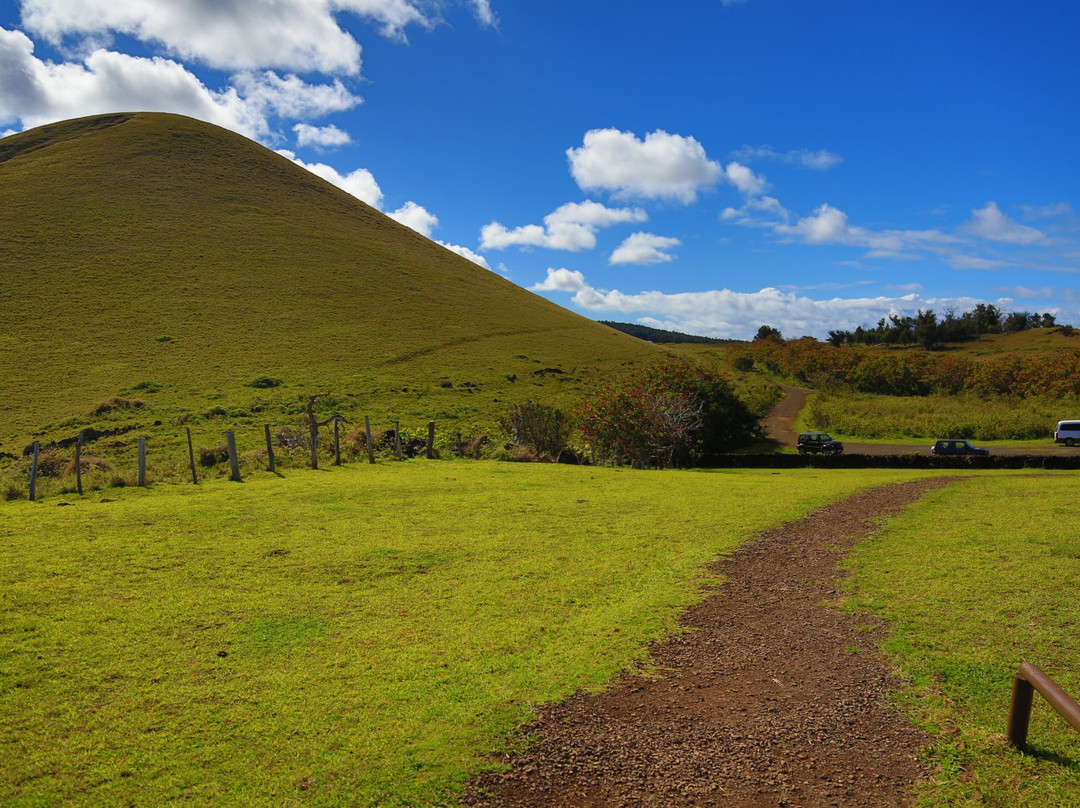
170, 262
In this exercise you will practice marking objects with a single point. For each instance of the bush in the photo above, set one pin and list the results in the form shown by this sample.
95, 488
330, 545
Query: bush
116, 403
674, 413
50, 463
542, 429
264, 382
211, 456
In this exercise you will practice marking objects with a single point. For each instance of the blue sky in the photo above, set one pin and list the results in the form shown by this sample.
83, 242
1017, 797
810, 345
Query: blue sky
706, 166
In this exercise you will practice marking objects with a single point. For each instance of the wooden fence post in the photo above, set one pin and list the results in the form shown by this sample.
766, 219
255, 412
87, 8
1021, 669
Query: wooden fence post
367, 439
191, 457
33, 472
234, 463
430, 440
460, 447
397, 439
337, 442
78, 462
269, 449
142, 463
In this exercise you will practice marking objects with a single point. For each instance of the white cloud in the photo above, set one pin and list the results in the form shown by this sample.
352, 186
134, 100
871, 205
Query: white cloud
320, 137
644, 248
292, 97
291, 34
745, 180
804, 158
662, 166
725, 313
35, 92
360, 183
417, 217
562, 280
990, 223
483, 12
465, 252
570, 227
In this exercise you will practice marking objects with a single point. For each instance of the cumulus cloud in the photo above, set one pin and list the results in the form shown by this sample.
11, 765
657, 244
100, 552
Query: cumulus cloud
803, 158
662, 166
572, 227
562, 280
990, 223
288, 34
36, 92
417, 217
745, 180
360, 183
725, 313
320, 137
290, 96
644, 248
465, 252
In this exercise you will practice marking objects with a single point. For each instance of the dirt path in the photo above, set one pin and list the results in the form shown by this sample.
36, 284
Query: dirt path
771, 698
781, 417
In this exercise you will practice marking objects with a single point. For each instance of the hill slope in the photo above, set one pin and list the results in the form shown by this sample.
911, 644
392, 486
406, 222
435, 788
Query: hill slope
149, 250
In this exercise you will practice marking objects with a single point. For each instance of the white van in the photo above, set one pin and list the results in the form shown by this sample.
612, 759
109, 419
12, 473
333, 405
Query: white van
1067, 432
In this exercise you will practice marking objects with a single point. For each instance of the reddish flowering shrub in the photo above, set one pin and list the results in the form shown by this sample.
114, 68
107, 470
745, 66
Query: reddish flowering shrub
674, 413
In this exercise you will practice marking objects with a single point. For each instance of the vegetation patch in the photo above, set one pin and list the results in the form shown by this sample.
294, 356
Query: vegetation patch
975, 579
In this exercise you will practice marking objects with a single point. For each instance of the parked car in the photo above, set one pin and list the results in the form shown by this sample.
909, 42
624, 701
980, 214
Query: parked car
957, 447
819, 442
1067, 432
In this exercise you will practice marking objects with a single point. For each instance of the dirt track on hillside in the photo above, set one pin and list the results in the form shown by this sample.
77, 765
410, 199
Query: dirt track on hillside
772, 698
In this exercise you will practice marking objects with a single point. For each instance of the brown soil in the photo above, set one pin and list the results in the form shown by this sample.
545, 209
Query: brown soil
772, 697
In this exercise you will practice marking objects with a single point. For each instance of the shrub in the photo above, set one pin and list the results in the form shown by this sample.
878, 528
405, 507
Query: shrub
673, 413
542, 429
14, 492
264, 382
50, 463
116, 403
147, 386
211, 456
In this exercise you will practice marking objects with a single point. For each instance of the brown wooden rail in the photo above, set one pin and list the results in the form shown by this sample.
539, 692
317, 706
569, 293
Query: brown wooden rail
1027, 680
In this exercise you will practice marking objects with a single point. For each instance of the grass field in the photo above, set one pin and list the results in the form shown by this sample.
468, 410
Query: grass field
975, 579
364, 635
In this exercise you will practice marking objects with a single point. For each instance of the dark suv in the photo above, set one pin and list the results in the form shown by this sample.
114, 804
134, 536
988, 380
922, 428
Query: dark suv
956, 447
815, 442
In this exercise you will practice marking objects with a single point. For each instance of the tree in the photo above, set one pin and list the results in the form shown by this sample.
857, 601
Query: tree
768, 332
673, 413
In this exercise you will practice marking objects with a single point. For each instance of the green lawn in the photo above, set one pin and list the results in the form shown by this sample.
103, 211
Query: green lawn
361, 635
975, 579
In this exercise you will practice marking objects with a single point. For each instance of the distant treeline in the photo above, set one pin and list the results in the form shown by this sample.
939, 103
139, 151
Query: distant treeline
929, 331
660, 335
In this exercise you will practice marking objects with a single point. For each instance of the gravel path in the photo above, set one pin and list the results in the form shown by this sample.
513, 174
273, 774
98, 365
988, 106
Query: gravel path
772, 698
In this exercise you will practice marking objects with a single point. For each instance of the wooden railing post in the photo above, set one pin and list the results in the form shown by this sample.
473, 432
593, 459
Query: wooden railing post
1027, 680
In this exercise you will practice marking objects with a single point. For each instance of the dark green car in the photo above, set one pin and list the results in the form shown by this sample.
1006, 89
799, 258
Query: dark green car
819, 443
